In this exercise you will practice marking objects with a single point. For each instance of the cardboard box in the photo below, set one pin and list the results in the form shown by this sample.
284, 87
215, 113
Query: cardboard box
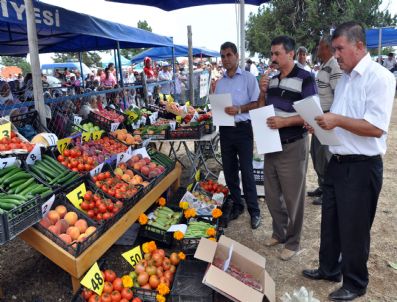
242, 257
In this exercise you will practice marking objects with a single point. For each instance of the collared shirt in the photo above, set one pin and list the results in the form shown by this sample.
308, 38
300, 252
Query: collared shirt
366, 93
326, 79
165, 76
243, 87
389, 64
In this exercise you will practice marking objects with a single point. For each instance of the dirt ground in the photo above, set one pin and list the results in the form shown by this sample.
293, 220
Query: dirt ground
26, 275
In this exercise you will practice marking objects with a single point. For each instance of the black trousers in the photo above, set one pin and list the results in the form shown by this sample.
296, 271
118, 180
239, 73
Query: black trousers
350, 197
237, 147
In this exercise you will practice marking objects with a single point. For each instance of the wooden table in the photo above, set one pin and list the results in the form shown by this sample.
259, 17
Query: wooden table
77, 267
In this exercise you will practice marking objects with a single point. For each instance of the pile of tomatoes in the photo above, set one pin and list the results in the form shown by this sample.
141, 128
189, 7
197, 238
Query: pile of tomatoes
76, 161
14, 143
99, 208
114, 186
112, 145
213, 187
113, 290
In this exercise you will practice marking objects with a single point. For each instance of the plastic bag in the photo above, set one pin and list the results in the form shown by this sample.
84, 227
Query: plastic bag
303, 295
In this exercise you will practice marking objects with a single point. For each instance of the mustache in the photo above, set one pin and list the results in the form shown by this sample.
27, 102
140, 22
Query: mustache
274, 63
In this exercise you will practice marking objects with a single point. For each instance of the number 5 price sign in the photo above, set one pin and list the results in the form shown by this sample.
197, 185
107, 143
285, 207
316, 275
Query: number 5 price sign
133, 256
93, 279
76, 197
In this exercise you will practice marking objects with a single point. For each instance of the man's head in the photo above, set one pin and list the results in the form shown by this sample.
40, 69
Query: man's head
111, 66
390, 56
229, 55
324, 52
302, 55
282, 52
349, 44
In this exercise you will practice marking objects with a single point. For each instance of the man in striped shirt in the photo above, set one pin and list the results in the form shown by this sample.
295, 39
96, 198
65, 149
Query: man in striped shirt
327, 77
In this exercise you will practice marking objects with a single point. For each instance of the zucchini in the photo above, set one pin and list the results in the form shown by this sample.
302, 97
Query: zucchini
24, 186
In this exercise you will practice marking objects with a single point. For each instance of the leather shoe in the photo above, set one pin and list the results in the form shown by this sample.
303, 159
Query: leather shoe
236, 213
343, 294
318, 201
315, 274
316, 193
255, 222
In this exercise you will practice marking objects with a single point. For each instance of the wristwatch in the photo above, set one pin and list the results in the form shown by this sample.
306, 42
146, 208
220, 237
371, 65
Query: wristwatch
239, 110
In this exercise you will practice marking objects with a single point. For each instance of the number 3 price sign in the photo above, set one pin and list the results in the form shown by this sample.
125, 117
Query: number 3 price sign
133, 256
5, 130
93, 279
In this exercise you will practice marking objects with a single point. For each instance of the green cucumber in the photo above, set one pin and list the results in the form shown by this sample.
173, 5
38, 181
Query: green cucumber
50, 159
24, 186
70, 181
50, 174
10, 174
39, 174
38, 189
57, 167
66, 178
60, 176
48, 167
46, 193
7, 206
17, 183
16, 177
6, 170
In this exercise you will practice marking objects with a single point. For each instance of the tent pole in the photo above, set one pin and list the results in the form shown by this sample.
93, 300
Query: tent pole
81, 68
242, 34
115, 64
35, 62
189, 42
380, 46
121, 72
173, 67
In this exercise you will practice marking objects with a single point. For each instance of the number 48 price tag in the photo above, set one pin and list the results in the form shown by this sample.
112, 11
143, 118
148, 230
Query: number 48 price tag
133, 256
93, 279
77, 195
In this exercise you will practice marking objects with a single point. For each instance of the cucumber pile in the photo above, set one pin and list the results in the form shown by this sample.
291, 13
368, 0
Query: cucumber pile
164, 217
52, 172
19, 187
197, 229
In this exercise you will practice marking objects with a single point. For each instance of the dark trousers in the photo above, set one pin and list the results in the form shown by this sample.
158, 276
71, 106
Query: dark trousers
237, 147
350, 197
320, 156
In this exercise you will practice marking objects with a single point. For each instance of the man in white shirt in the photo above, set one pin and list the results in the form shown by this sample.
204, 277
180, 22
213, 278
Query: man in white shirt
360, 116
390, 62
251, 67
301, 54
165, 75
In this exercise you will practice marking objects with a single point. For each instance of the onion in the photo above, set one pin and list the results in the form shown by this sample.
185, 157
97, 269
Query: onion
154, 281
139, 268
174, 259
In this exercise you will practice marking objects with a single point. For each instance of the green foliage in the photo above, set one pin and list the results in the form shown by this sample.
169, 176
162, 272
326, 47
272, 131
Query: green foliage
130, 52
89, 58
17, 61
307, 20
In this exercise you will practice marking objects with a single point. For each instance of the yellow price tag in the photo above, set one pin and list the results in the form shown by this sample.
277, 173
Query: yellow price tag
93, 279
187, 103
86, 136
62, 144
97, 135
5, 130
76, 197
189, 188
133, 256
179, 119
132, 115
197, 175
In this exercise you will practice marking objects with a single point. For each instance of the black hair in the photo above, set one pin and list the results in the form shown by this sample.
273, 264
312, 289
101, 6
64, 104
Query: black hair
230, 45
353, 31
287, 42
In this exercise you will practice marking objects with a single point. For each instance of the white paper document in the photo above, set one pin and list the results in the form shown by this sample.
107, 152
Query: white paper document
218, 104
267, 140
308, 109
178, 227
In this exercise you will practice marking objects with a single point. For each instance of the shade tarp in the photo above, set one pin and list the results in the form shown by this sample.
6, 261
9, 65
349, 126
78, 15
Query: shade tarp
61, 30
165, 53
389, 37
108, 58
169, 5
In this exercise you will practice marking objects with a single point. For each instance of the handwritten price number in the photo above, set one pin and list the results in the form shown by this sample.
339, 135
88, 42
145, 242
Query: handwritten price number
51, 138
76, 196
96, 135
86, 136
114, 126
96, 170
34, 155
77, 119
120, 157
7, 162
5, 130
133, 256
62, 144
45, 208
93, 279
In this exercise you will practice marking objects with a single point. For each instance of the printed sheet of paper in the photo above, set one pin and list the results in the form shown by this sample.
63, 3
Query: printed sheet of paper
218, 104
267, 140
308, 109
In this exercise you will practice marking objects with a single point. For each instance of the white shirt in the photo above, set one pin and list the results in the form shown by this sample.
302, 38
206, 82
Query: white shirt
165, 76
389, 64
305, 67
254, 70
366, 93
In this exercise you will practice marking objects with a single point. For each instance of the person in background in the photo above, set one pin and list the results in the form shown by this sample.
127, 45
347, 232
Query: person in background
251, 67
148, 70
237, 141
326, 80
301, 54
390, 62
360, 116
88, 106
165, 75
109, 81
100, 75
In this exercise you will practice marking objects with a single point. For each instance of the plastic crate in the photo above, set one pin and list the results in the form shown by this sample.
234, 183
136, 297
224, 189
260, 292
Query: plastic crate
187, 132
259, 176
101, 121
146, 295
29, 118
75, 248
209, 128
188, 286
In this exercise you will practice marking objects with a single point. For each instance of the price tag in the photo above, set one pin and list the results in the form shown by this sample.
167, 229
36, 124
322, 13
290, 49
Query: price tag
76, 197
46, 207
62, 144
197, 175
132, 115
156, 115
152, 119
195, 117
120, 158
172, 125
85, 136
187, 103
146, 142
34, 155
133, 256
96, 170
7, 162
51, 138
179, 119
189, 188
143, 120
5, 130
114, 126
129, 151
77, 119
93, 279
97, 135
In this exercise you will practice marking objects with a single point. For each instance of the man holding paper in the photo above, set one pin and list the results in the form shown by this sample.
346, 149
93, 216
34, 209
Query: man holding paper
360, 116
237, 144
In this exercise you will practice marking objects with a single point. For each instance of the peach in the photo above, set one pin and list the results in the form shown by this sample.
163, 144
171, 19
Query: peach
82, 225
61, 209
53, 216
145, 183
129, 172
45, 222
126, 177
54, 229
82, 237
147, 160
145, 170
90, 230
71, 218
73, 232
152, 166
66, 238
63, 225
135, 159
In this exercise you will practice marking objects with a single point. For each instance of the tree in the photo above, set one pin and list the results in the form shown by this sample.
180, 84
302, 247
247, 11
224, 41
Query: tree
89, 58
17, 61
307, 20
130, 52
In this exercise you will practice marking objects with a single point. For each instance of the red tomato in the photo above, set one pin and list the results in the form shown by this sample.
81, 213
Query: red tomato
88, 196
136, 299
102, 208
66, 153
117, 284
116, 296
87, 293
124, 300
106, 297
60, 158
91, 213
85, 205
107, 287
111, 192
107, 174
106, 216
127, 293
94, 298
99, 216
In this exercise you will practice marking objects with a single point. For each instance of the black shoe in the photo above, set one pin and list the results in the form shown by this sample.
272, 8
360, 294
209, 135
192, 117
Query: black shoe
315, 274
318, 201
343, 294
255, 222
236, 213
316, 193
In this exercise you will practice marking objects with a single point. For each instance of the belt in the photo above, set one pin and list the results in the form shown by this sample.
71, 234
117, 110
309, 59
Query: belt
326, 111
293, 139
242, 123
353, 158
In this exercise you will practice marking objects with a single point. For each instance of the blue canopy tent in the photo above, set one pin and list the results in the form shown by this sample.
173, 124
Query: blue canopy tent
388, 37
165, 53
108, 58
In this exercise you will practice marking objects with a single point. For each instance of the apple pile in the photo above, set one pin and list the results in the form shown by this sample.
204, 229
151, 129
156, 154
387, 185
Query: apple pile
145, 166
111, 115
67, 225
115, 186
99, 208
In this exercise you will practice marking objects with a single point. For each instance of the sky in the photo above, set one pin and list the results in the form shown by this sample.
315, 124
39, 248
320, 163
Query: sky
211, 24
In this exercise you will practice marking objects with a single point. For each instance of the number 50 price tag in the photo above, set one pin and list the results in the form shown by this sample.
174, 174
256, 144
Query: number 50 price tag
77, 195
133, 256
93, 279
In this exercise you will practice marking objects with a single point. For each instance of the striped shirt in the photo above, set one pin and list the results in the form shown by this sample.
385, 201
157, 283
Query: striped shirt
326, 80
282, 94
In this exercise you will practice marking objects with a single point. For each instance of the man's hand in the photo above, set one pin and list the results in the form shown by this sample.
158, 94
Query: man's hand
309, 128
276, 122
264, 83
232, 110
327, 121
